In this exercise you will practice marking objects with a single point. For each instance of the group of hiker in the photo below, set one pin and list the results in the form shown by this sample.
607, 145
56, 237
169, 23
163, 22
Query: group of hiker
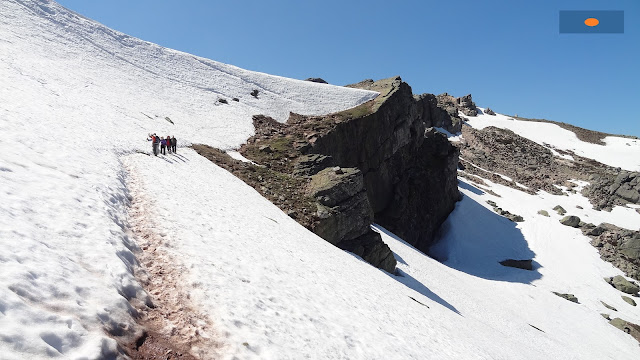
165, 144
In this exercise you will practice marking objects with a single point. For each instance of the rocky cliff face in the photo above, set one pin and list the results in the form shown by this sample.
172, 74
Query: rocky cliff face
409, 170
619, 246
337, 174
609, 190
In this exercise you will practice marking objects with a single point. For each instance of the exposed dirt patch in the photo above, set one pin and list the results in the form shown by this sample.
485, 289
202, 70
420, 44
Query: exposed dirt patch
174, 328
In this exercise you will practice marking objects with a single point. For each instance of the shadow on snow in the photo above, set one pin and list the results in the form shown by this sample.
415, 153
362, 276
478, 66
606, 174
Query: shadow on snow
475, 239
469, 187
409, 281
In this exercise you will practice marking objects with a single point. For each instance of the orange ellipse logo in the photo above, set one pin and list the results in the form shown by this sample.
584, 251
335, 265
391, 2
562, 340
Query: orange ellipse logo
591, 22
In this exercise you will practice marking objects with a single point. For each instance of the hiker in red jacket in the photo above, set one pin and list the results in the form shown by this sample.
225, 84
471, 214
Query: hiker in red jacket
155, 141
168, 140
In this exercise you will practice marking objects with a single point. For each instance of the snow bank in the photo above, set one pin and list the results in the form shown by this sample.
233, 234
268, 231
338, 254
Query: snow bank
618, 152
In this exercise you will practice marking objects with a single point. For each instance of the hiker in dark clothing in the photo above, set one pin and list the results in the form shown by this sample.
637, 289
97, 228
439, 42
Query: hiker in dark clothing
155, 141
168, 140
163, 146
173, 143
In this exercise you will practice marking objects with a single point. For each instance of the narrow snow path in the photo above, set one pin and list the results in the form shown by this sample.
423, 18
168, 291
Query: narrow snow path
172, 323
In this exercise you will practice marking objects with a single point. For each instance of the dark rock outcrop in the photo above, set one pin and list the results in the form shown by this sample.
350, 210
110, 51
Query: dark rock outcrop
409, 170
442, 110
629, 300
344, 215
619, 246
607, 190
520, 264
608, 306
337, 174
569, 297
467, 106
508, 215
622, 284
316, 80
488, 111
630, 328
572, 221
560, 210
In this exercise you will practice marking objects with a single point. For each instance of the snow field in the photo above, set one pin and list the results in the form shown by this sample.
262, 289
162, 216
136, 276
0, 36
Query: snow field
618, 152
278, 291
76, 97
566, 262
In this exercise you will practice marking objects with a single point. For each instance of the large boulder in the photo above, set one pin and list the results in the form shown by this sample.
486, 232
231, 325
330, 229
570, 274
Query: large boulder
622, 284
619, 246
611, 189
569, 297
560, 210
467, 106
631, 247
372, 250
630, 328
334, 185
344, 215
440, 111
608, 306
572, 221
629, 300
316, 80
311, 164
520, 264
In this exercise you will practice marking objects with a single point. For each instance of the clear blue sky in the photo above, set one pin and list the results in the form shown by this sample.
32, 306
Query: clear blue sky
507, 53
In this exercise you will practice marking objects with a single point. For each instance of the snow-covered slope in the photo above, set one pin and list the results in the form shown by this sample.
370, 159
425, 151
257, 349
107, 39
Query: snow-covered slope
618, 151
281, 292
74, 97
76, 103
